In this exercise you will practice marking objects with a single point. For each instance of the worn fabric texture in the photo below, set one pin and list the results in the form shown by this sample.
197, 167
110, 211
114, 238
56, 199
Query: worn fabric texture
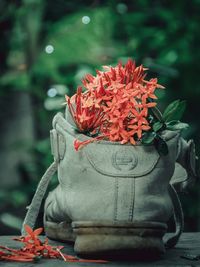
107, 181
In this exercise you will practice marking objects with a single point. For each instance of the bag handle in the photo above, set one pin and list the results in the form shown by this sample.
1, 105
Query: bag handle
171, 241
34, 207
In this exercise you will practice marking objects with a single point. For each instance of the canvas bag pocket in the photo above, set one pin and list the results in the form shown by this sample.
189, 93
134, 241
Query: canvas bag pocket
121, 160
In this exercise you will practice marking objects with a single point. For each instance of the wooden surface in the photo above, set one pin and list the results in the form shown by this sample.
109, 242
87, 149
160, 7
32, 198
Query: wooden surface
189, 244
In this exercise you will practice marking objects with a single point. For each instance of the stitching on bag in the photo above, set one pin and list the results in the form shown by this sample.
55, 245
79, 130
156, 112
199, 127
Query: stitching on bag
134, 184
116, 199
132, 200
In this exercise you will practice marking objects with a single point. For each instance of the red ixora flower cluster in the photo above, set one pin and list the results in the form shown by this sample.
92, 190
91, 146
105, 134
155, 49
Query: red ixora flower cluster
34, 249
115, 104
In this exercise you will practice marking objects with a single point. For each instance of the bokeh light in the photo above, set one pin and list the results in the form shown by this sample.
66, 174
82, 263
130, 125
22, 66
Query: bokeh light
122, 8
49, 49
85, 20
52, 92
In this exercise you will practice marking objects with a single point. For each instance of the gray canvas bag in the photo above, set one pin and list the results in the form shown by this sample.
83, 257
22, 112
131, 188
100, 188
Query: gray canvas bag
113, 197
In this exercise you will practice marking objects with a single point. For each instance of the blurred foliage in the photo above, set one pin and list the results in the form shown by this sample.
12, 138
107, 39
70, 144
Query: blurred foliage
48, 46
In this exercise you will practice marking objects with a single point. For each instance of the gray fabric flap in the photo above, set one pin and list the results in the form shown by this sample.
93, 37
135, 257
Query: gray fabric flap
114, 159
179, 176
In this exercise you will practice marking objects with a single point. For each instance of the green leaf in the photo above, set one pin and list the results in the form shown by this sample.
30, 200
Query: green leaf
156, 113
174, 111
161, 146
171, 107
172, 123
176, 125
157, 126
148, 138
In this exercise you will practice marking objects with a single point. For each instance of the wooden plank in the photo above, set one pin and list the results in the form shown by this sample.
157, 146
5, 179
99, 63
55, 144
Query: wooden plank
189, 244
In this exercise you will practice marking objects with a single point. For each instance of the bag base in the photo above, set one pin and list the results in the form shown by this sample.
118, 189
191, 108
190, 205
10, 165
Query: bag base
105, 238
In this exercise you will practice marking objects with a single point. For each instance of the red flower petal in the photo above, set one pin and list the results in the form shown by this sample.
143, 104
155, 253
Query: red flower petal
28, 229
38, 231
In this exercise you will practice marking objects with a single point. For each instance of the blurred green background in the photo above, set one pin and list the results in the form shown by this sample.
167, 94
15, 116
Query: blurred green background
46, 48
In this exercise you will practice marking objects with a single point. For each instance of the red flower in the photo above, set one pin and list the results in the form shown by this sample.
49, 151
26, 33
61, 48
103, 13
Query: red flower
84, 112
115, 104
34, 249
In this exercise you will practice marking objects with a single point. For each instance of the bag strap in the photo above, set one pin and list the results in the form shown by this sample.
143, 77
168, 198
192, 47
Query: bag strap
178, 218
34, 207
